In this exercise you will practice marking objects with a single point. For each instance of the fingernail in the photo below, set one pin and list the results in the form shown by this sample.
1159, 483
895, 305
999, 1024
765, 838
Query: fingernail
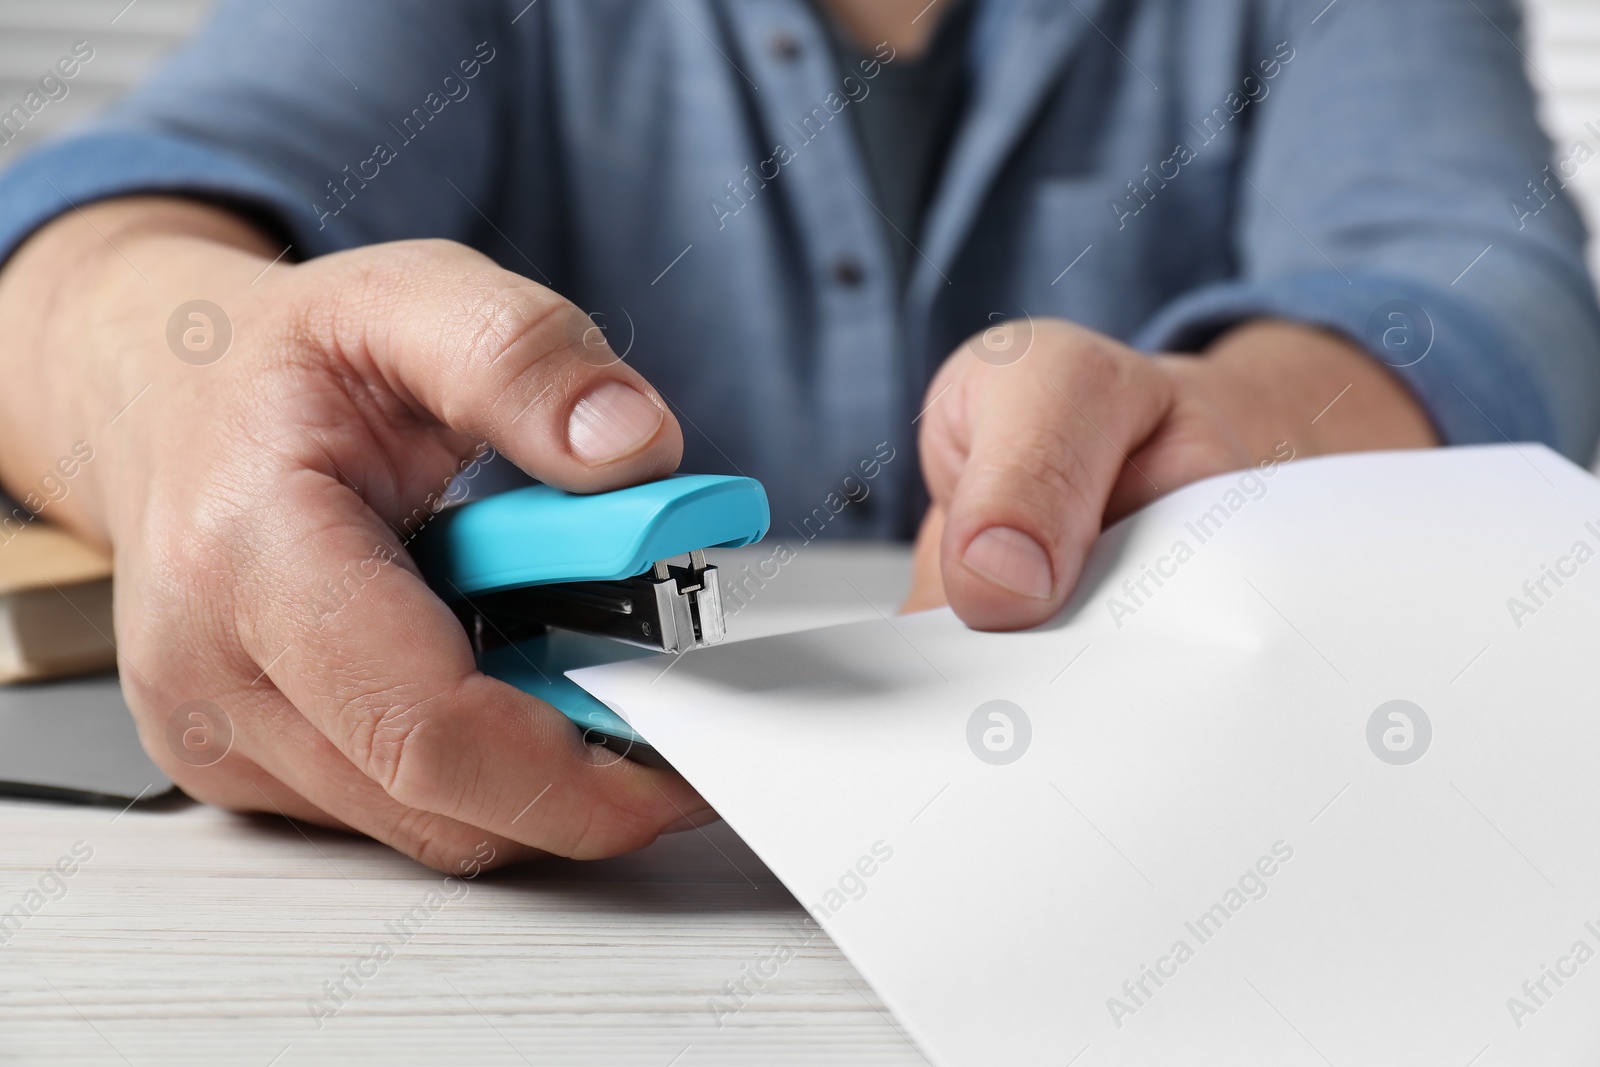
1012, 560
613, 421
691, 822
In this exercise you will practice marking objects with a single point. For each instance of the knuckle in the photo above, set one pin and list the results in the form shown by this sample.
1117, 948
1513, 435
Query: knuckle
380, 270
496, 320
390, 738
1055, 470
1047, 482
438, 842
616, 824
1085, 354
511, 338
572, 833
608, 815
1089, 360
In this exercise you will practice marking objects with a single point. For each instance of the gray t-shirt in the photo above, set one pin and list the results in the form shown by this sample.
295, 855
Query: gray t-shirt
906, 122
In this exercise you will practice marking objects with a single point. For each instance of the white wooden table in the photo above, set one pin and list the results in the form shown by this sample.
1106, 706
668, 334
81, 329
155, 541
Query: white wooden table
196, 937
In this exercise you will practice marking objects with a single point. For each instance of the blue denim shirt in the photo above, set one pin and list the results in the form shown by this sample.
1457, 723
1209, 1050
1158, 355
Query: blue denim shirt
686, 170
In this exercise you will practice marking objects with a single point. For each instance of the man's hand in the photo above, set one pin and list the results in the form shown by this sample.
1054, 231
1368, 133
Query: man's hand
241, 493
1040, 433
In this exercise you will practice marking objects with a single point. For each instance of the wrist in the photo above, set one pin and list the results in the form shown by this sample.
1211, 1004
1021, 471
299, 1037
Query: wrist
76, 301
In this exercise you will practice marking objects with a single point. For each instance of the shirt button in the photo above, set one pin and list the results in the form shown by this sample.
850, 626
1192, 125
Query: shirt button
784, 45
848, 272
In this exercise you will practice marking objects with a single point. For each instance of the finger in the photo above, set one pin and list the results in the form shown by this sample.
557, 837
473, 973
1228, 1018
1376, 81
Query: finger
386, 674
927, 584
1023, 457
496, 357
277, 763
304, 760
235, 782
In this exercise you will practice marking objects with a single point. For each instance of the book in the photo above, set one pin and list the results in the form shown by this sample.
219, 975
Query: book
55, 606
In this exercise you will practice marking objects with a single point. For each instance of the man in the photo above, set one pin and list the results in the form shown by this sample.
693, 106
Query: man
826, 239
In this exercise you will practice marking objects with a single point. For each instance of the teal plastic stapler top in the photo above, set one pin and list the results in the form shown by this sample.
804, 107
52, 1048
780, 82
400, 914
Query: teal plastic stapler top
546, 581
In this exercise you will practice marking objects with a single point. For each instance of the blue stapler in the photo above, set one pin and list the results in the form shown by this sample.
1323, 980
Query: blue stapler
546, 581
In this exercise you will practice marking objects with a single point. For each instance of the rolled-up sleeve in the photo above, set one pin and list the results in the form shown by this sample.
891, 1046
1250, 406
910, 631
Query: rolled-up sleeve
337, 124
1396, 190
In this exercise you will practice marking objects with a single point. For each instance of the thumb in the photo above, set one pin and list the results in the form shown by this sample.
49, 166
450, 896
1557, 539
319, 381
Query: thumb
499, 358
1023, 461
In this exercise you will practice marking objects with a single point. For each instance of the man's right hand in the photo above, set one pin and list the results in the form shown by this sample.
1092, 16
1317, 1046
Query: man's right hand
235, 493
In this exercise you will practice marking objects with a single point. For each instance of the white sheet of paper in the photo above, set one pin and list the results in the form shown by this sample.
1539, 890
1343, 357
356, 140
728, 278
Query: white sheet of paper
1104, 898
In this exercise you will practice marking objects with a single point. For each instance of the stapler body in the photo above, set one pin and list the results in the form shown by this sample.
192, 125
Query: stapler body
546, 581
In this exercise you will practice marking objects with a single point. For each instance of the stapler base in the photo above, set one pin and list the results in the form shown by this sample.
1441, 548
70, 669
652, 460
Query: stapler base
537, 666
